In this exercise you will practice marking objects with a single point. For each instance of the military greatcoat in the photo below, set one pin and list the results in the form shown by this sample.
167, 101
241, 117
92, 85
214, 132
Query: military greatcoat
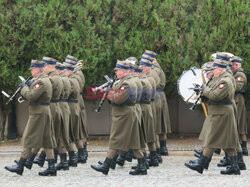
74, 125
57, 87
83, 115
241, 82
64, 138
221, 124
125, 129
147, 114
38, 131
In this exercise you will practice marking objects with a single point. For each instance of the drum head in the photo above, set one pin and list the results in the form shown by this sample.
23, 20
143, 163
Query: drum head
187, 80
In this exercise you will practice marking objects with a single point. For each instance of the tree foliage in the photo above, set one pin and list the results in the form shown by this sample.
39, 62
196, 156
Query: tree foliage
183, 33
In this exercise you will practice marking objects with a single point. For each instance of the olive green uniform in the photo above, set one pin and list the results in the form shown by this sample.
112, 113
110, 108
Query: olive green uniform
147, 114
57, 87
39, 129
241, 82
64, 138
138, 109
74, 125
124, 133
221, 124
83, 116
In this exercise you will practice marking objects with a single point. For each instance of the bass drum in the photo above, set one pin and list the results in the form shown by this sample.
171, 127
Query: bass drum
189, 79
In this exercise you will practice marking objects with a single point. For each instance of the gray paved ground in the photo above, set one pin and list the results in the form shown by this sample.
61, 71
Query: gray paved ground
171, 173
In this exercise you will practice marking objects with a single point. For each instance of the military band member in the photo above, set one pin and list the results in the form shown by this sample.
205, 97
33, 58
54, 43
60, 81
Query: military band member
64, 136
157, 100
38, 131
164, 121
123, 98
82, 150
241, 82
57, 86
147, 116
221, 124
74, 126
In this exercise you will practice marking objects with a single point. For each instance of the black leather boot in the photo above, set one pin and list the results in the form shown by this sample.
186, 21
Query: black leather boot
244, 148
217, 151
72, 159
63, 165
198, 151
41, 159
206, 166
241, 162
104, 168
121, 158
233, 169
51, 170
140, 169
113, 163
85, 151
163, 147
199, 165
55, 155
129, 156
197, 155
29, 162
81, 157
145, 162
153, 161
18, 169
158, 153
224, 162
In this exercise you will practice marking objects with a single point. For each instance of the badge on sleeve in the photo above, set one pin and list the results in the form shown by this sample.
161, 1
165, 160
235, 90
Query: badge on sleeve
239, 79
122, 88
221, 85
37, 85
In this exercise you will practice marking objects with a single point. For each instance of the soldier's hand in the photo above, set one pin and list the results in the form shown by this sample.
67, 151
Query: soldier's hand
22, 84
29, 82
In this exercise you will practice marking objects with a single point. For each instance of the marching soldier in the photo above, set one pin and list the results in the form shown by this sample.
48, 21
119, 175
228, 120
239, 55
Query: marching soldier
241, 82
57, 86
219, 93
124, 123
64, 136
124, 154
39, 129
81, 145
164, 112
147, 115
74, 127
157, 100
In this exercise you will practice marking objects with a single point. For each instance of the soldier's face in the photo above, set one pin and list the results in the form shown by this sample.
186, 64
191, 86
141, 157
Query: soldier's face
48, 68
145, 69
235, 66
120, 73
35, 72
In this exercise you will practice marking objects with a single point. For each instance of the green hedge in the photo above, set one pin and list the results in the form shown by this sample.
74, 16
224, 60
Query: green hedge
183, 33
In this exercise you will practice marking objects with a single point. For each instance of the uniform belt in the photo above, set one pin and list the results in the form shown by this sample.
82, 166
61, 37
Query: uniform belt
145, 102
124, 104
152, 100
38, 103
218, 103
63, 100
72, 101
55, 100
159, 90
